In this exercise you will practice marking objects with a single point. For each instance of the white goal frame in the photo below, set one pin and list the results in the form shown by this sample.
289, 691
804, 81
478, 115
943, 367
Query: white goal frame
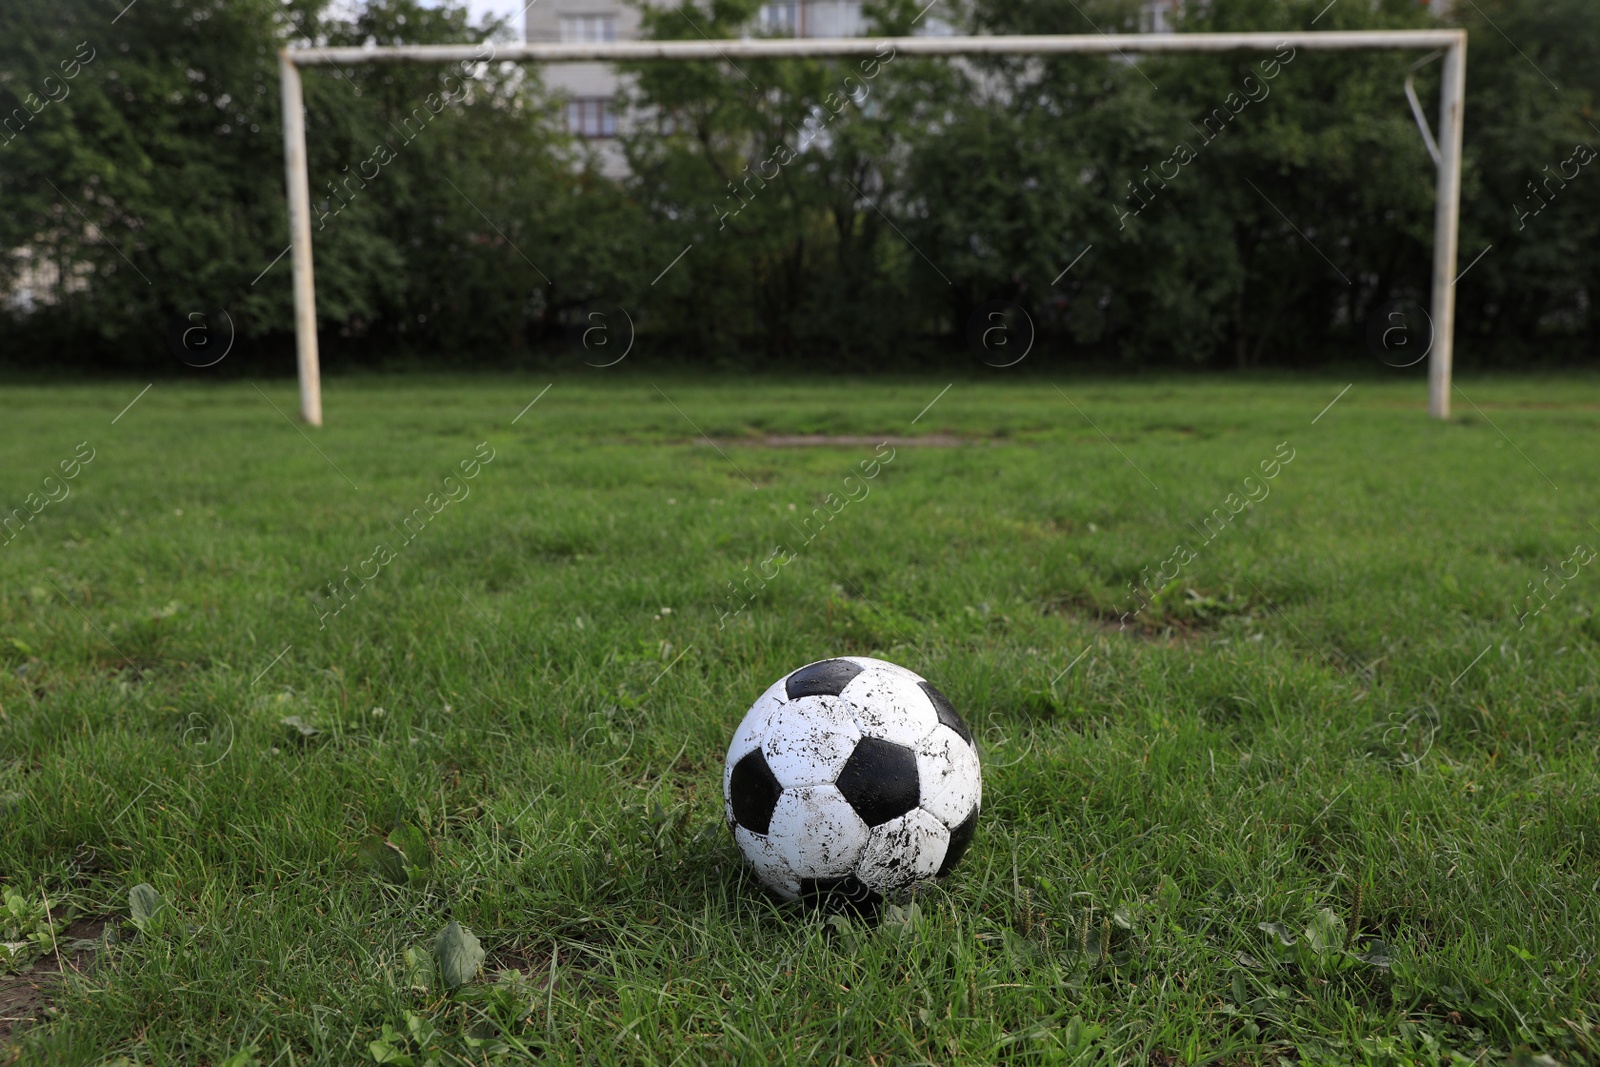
1446, 151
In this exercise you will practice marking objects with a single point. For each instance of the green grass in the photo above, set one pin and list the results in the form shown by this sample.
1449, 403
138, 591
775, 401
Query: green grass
1342, 728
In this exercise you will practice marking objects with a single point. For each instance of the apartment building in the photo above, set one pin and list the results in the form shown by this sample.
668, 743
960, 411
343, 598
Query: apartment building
591, 89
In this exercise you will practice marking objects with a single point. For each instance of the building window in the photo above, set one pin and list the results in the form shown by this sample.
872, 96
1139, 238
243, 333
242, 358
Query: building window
1157, 16
588, 29
779, 18
591, 116
837, 18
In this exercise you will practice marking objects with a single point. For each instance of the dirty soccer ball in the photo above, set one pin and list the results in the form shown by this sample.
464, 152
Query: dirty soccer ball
849, 779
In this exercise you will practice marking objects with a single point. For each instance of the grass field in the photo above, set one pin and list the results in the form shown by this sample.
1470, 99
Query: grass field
1342, 723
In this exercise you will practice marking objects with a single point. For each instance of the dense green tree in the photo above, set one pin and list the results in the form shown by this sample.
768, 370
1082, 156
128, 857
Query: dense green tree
779, 177
1231, 208
450, 208
1532, 81
1213, 210
147, 184
481, 220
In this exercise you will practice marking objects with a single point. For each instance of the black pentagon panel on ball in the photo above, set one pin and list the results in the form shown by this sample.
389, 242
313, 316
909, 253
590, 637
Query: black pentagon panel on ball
753, 790
947, 712
825, 679
960, 838
833, 894
880, 780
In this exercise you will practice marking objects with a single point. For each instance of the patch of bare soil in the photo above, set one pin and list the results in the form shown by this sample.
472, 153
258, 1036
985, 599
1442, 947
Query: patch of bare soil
813, 440
1163, 628
24, 997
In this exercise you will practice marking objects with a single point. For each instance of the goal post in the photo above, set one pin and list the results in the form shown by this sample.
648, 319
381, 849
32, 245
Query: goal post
1447, 198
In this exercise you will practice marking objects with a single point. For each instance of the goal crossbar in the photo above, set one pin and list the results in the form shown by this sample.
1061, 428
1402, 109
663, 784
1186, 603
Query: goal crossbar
1447, 199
